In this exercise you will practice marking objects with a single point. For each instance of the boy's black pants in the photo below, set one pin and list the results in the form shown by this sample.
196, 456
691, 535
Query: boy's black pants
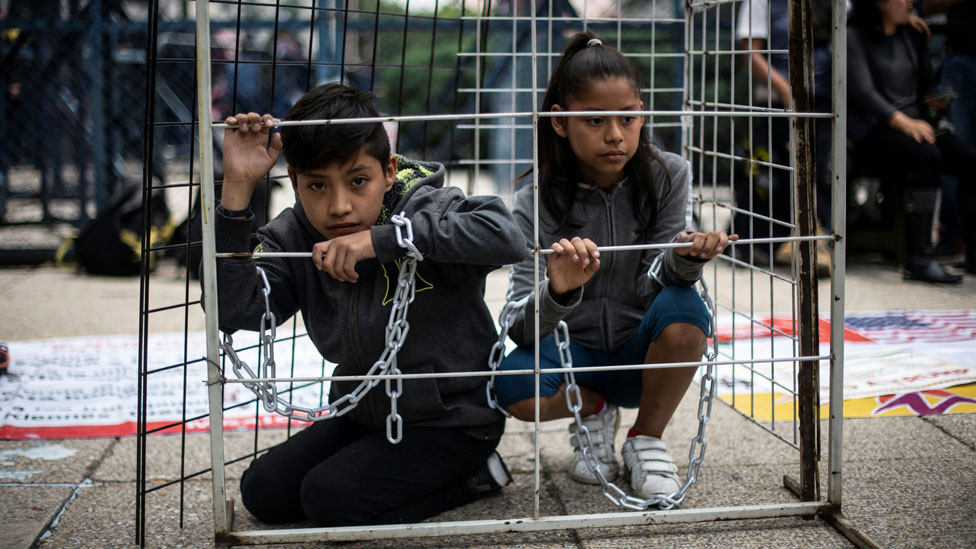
339, 473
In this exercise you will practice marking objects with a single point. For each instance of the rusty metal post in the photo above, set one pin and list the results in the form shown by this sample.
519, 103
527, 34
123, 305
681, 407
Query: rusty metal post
801, 87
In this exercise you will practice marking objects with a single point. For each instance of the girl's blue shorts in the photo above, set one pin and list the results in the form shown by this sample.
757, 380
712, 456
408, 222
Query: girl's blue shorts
621, 387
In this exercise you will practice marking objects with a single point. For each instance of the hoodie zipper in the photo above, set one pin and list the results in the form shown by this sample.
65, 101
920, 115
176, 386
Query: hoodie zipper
608, 278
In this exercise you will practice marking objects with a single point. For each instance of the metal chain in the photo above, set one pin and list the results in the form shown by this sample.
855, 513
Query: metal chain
574, 402
396, 334
510, 312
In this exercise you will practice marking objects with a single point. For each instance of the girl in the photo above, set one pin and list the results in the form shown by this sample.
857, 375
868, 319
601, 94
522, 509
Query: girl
601, 181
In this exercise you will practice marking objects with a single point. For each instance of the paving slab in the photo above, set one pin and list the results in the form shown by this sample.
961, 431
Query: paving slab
51, 461
28, 510
913, 502
961, 427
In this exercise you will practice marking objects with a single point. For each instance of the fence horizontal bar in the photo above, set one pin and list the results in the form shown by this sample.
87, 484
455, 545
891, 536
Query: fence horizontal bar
527, 524
711, 3
729, 156
489, 373
752, 107
482, 116
735, 52
587, 20
547, 251
509, 54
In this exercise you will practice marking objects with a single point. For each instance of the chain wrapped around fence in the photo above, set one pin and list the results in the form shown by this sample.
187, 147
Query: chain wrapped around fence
696, 453
396, 334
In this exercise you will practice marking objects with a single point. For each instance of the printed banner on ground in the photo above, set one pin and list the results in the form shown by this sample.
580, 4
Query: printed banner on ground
89, 386
890, 357
896, 362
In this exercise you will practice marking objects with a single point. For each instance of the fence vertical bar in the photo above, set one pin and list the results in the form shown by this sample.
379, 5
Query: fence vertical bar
534, 63
801, 86
838, 178
209, 270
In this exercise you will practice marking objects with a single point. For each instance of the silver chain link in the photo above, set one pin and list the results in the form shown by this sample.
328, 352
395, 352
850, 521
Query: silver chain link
397, 328
707, 393
509, 314
574, 401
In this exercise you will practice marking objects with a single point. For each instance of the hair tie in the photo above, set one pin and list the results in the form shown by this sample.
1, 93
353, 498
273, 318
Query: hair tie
594, 42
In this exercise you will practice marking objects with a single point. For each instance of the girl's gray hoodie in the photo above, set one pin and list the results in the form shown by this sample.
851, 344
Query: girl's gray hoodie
606, 311
451, 329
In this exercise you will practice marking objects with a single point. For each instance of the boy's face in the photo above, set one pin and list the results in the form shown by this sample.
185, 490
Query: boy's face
342, 199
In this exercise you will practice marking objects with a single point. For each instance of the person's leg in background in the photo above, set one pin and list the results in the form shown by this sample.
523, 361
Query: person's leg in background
920, 164
959, 158
959, 73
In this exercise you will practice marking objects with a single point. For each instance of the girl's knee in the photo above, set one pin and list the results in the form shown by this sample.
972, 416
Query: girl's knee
523, 410
682, 336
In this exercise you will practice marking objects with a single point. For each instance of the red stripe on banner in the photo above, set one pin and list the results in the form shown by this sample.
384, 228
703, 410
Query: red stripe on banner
781, 326
12, 432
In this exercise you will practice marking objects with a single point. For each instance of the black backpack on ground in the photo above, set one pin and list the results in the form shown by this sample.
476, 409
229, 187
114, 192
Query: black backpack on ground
112, 243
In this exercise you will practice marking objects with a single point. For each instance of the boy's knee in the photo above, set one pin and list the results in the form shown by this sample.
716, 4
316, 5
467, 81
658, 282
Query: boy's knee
264, 497
327, 502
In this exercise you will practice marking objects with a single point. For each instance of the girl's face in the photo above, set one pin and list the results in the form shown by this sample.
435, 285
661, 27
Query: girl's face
603, 144
895, 12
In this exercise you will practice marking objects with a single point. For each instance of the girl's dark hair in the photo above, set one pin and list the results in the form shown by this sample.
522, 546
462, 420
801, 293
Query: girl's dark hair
866, 15
579, 68
310, 147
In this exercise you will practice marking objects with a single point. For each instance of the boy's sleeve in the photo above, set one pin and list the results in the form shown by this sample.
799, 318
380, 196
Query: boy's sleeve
240, 289
522, 281
449, 228
674, 217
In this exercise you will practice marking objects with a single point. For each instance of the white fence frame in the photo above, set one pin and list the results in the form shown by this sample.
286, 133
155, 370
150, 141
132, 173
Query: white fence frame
829, 509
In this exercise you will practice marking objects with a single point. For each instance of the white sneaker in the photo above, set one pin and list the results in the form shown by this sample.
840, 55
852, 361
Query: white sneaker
602, 427
651, 468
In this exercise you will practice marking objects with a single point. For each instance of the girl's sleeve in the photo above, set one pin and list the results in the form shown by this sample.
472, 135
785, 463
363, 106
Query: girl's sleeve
674, 217
522, 282
478, 232
240, 288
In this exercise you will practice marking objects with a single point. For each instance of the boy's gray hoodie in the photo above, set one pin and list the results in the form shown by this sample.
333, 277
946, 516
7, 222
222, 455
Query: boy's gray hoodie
606, 311
451, 329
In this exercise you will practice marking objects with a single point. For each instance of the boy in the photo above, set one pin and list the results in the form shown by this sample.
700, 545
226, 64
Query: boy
343, 471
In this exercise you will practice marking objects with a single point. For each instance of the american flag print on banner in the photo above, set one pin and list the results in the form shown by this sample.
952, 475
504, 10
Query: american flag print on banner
915, 326
886, 353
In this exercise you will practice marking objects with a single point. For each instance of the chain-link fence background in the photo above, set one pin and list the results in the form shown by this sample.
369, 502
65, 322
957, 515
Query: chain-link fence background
75, 133
73, 99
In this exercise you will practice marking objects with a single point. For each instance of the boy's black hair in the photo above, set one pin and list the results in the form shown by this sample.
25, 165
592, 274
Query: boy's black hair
578, 68
310, 147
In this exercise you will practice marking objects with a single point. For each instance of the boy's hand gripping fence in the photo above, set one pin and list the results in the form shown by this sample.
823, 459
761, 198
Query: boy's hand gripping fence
396, 334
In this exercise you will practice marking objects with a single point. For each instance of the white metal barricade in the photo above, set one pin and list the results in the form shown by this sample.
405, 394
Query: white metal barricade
701, 107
